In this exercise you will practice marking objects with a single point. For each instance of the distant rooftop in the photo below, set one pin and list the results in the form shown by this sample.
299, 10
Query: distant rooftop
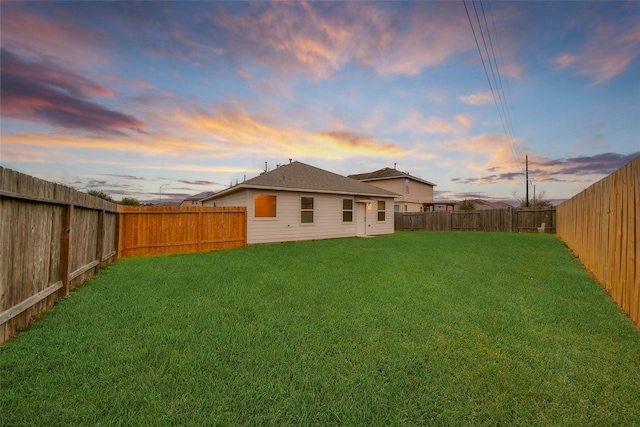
200, 196
387, 173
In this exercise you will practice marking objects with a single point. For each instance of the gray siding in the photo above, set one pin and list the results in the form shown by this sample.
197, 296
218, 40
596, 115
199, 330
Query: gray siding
287, 225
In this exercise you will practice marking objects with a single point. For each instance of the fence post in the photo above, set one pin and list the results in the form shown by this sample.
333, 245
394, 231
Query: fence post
120, 248
65, 251
100, 243
199, 231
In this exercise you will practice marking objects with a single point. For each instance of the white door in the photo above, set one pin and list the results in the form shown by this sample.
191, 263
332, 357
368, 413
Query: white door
361, 219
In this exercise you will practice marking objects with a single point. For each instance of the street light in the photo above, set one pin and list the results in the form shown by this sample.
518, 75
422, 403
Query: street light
161, 192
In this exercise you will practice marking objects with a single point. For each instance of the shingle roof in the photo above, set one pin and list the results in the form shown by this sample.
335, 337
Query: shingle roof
386, 173
200, 195
298, 176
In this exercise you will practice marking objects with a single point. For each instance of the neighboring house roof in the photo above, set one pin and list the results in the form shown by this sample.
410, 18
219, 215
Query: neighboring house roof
200, 196
298, 176
387, 173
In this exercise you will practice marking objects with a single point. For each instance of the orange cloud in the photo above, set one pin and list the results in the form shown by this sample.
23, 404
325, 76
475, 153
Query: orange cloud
493, 149
243, 131
464, 119
158, 143
358, 143
415, 123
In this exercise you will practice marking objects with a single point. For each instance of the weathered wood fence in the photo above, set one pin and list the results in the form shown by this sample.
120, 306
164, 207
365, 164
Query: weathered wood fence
601, 225
155, 230
511, 220
52, 239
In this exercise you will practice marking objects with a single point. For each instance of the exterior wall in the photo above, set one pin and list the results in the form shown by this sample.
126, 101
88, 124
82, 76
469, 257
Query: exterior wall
235, 199
191, 203
418, 194
374, 226
410, 207
287, 225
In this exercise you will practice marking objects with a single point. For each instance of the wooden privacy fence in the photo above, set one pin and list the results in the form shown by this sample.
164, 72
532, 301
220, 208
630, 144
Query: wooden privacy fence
511, 220
154, 230
600, 225
53, 238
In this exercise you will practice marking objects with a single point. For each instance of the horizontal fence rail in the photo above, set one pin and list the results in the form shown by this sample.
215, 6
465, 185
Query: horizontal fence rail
601, 226
510, 220
53, 239
156, 230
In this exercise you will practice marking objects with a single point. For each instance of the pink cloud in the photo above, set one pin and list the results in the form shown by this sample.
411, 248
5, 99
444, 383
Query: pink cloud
607, 52
318, 39
44, 91
479, 98
45, 36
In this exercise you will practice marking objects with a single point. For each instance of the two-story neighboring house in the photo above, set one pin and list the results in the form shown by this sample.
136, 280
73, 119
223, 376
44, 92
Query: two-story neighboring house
414, 192
196, 200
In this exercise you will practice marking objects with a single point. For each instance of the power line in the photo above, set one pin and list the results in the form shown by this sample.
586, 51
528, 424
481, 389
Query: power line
500, 88
508, 99
500, 99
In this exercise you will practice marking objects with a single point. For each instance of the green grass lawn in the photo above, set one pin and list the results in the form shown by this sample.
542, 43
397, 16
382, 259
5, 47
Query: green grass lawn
415, 328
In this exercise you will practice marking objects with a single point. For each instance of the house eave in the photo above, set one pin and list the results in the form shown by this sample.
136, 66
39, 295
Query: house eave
298, 190
396, 177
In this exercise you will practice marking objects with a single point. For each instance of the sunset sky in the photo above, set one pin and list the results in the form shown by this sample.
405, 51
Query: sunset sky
130, 97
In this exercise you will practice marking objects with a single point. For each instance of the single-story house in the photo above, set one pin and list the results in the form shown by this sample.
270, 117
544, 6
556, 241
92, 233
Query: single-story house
297, 201
413, 192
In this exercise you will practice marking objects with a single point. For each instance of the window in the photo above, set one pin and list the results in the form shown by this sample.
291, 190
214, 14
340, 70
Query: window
396, 208
405, 208
406, 185
381, 210
347, 210
265, 206
306, 210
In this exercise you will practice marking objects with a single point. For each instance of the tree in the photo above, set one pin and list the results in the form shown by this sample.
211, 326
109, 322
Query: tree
129, 201
102, 195
467, 205
536, 203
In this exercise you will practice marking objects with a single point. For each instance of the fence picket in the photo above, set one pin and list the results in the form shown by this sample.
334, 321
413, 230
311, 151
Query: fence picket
54, 238
600, 226
39, 249
153, 230
506, 220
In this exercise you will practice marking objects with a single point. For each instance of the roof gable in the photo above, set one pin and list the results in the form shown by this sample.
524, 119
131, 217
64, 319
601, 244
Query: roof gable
298, 176
387, 173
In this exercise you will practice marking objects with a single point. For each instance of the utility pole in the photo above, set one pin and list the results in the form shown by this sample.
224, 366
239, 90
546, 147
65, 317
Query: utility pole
161, 192
527, 177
